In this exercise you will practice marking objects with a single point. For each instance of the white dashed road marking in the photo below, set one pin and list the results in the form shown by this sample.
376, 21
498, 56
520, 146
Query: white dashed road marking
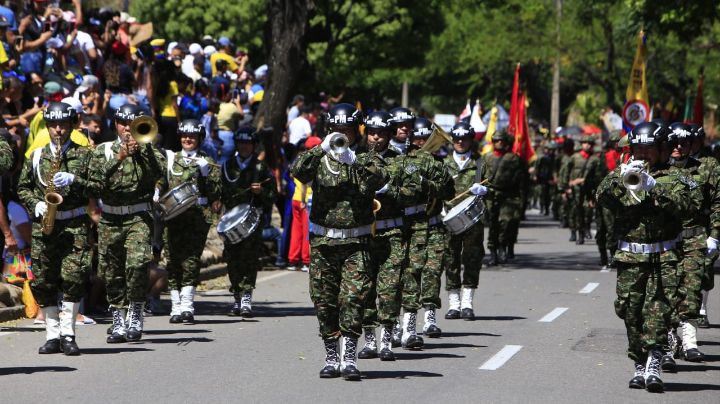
589, 287
501, 357
557, 312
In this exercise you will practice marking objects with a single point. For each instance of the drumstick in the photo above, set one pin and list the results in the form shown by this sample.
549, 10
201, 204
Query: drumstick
465, 193
261, 182
209, 163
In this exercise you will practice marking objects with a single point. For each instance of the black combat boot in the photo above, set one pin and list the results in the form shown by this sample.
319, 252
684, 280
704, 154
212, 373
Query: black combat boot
117, 334
134, 321
573, 235
511, 251
653, 383
51, 346
493, 257
369, 351
580, 238
69, 346
332, 360
638, 380
348, 369
397, 334
386, 335
430, 328
502, 255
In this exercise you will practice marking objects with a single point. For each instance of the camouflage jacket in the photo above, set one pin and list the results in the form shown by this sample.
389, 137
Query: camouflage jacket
34, 178
128, 182
236, 179
179, 172
342, 195
711, 167
656, 217
505, 174
389, 206
590, 168
6, 156
543, 167
463, 177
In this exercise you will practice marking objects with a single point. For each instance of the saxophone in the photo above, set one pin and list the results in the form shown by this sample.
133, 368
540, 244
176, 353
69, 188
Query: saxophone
52, 198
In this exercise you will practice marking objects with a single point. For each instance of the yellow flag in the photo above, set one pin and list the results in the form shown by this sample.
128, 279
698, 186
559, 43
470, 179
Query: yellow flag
491, 128
637, 86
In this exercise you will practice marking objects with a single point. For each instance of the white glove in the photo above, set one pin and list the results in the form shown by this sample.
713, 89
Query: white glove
204, 166
326, 144
635, 165
383, 189
648, 182
477, 189
63, 179
712, 246
347, 157
156, 195
40, 209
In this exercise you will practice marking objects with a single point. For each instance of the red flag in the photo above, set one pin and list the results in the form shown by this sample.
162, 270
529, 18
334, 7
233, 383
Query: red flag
698, 108
522, 146
514, 108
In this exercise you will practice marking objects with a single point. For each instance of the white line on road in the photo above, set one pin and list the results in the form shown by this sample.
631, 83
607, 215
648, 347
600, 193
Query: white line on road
557, 312
589, 287
605, 269
501, 357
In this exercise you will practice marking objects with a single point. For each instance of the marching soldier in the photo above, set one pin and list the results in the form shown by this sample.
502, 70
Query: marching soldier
425, 184
344, 187
186, 233
503, 174
543, 173
612, 161
582, 175
563, 163
387, 248
245, 180
466, 250
123, 174
60, 251
403, 120
647, 222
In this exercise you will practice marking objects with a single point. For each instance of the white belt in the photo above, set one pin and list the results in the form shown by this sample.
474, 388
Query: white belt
202, 201
340, 233
691, 232
414, 209
388, 223
126, 210
639, 248
437, 219
69, 214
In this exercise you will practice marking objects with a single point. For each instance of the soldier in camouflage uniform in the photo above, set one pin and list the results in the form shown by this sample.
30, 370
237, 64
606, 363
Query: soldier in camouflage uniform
608, 219
245, 180
344, 187
421, 186
185, 247
583, 173
563, 202
647, 222
543, 174
465, 251
6, 156
503, 173
386, 249
124, 174
61, 259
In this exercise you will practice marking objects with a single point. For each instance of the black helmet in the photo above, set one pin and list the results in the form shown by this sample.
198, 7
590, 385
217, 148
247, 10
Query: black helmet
697, 131
422, 128
128, 113
191, 127
245, 134
343, 115
401, 115
646, 133
500, 135
60, 112
461, 130
679, 131
378, 120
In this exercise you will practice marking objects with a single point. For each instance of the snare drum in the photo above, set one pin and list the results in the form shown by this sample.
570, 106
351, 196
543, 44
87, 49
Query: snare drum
239, 223
178, 200
463, 216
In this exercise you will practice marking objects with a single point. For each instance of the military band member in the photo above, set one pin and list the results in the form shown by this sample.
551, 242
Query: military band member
403, 128
647, 224
186, 233
344, 187
583, 174
60, 253
245, 180
466, 250
387, 248
123, 174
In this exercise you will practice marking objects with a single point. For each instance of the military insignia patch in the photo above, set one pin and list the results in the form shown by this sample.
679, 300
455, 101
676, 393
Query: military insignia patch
410, 169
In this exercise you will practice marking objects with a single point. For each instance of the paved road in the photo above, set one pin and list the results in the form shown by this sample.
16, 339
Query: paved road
564, 346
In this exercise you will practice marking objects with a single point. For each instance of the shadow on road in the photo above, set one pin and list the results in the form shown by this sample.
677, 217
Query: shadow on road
403, 356
447, 345
708, 343
117, 350
176, 340
469, 334
574, 261
264, 309
28, 370
397, 374
696, 368
283, 311
228, 321
499, 318
183, 330
690, 387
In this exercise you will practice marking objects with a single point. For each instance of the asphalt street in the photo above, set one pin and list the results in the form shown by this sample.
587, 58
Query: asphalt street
546, 332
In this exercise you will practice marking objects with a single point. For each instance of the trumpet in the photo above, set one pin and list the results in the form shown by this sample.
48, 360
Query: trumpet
632, 180
144, 129
339, 142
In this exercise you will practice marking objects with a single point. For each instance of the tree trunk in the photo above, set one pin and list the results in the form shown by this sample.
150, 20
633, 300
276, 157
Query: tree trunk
555, 100
286, 29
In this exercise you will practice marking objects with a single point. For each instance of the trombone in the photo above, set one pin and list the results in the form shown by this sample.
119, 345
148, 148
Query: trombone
438, 138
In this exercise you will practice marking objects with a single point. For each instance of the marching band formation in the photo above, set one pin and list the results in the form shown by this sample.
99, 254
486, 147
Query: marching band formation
389, 215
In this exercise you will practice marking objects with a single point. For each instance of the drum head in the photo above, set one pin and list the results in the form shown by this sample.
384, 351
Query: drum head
233, 217
460, 207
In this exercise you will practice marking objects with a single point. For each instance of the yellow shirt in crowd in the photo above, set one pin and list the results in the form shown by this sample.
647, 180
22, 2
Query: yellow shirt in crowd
168, 102
232, 66
301, 188
43, 138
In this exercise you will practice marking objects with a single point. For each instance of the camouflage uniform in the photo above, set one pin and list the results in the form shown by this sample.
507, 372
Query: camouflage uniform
708, 279
185, 247
646, 282
562, 200
339, 259
466, 249
124, 247
62, 259
585, 166
543, 173
6, 156
242, 258
503, 172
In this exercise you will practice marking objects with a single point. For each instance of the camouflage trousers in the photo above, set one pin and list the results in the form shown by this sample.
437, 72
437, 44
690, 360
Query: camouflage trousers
581, 213
643, 304
601, 226
243, 262
383, 298
185, 238
608, 222
546, 190
339, 283
503, 219
690, 273
61, 262
423, 275
124, 255
708, 277
465, 254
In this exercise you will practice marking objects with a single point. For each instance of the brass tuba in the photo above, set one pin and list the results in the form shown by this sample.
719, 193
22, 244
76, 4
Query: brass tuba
52, 198
144, 129
438, 138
